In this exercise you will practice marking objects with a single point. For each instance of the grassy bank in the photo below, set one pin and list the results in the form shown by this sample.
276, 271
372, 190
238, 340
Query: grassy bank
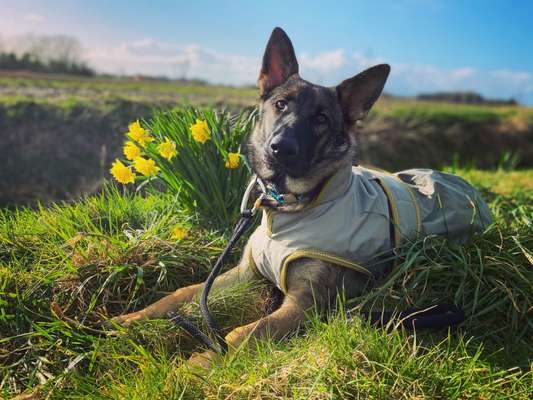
67, 268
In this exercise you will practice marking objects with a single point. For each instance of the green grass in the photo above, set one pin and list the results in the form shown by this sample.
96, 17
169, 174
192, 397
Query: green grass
442, 114
67, 268
61, 90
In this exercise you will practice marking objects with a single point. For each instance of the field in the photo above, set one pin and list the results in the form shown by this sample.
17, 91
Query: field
66, 91
65, 268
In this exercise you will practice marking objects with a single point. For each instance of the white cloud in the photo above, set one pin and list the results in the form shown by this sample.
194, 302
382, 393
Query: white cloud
34, 18
462, 73
413, 79
513, 76
148, 56
321, 67
417, 78
323, 62
363, 62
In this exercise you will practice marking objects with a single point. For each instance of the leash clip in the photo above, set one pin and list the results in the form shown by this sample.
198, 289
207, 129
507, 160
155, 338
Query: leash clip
246, 196
267, 192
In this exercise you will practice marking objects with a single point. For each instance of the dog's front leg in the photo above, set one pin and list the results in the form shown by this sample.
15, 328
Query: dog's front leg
284, 320
160, 308
309, 282
243, 272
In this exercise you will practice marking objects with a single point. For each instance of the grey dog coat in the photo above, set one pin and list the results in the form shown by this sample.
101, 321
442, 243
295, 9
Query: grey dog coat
349, 222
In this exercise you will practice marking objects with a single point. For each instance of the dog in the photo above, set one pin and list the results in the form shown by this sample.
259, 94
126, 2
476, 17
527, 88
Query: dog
340, 223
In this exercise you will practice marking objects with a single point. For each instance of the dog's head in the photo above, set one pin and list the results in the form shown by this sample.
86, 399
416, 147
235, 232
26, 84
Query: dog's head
303, 134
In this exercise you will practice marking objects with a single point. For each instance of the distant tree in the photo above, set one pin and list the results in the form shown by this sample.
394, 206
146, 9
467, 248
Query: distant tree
46, 53
464, 98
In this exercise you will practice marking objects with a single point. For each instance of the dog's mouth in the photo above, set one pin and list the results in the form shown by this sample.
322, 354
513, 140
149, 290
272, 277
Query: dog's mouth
280, 173
294, 170
272, 171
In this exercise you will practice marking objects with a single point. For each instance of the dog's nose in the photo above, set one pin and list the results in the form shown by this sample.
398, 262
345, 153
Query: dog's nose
284, 148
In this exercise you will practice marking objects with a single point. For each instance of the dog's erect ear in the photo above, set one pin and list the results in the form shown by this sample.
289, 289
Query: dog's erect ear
279, 62
358, 94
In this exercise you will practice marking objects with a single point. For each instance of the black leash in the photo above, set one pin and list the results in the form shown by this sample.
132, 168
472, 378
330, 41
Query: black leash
221, 346
246, 218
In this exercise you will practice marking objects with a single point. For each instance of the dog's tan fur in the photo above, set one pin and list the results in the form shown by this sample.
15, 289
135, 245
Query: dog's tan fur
310, 283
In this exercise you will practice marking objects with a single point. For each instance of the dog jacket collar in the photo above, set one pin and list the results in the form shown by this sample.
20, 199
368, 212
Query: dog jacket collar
348, 223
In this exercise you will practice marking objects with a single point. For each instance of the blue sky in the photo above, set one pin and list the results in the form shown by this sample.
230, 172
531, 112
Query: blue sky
485, 46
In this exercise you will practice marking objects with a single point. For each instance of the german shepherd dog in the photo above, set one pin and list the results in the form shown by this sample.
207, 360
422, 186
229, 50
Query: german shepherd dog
304, 134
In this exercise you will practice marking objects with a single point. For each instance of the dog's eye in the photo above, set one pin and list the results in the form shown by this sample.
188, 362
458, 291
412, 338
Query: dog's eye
281, 105
321, 118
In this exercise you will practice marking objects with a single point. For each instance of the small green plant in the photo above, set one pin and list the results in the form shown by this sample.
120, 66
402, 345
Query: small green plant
509, 161
196, 154
457, 164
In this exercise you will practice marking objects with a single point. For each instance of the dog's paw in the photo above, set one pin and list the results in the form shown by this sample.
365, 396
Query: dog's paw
203, 360
128, 319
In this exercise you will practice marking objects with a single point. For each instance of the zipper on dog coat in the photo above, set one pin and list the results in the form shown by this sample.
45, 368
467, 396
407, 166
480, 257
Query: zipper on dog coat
349, 222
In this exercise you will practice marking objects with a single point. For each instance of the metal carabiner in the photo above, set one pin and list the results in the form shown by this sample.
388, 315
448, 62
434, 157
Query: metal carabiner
246, 196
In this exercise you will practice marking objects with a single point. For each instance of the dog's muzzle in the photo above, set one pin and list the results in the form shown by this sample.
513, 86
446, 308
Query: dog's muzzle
285, 150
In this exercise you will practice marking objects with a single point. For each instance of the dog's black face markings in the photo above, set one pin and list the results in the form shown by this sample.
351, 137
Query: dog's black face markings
305, 128
302, 135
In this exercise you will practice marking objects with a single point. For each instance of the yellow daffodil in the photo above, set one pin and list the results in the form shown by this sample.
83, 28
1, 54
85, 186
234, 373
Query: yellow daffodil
200, 131
233, 160
178, 233
145, 166
131, 151
122, 173
167, 149
138, 133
